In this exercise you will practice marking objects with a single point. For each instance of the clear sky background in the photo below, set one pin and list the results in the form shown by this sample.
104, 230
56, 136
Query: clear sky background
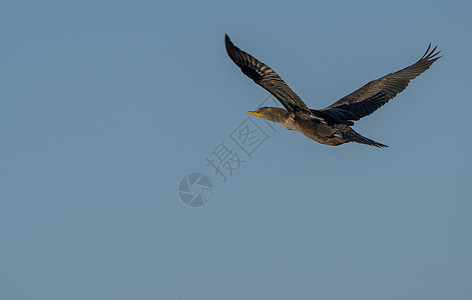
107, 105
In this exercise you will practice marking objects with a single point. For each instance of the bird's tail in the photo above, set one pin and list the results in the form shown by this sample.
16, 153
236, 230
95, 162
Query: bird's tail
350, 135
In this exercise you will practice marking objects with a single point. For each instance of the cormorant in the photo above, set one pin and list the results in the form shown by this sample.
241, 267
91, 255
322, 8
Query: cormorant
330, 125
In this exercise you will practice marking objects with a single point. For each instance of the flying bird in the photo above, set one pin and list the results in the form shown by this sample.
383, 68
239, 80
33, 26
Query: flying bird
330, 125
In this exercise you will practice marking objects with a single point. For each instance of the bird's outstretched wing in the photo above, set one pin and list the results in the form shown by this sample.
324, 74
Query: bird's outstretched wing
265, 77
376, 93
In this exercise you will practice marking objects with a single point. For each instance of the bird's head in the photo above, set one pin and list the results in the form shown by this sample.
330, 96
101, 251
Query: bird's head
273, 114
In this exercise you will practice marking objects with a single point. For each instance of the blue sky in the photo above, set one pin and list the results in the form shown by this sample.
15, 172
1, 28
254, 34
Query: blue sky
107, 105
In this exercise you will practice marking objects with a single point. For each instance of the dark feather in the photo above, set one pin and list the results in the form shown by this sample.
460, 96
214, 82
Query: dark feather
265, 77
350, 135
376, 93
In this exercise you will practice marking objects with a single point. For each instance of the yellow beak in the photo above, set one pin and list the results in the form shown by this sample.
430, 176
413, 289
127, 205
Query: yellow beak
254, 114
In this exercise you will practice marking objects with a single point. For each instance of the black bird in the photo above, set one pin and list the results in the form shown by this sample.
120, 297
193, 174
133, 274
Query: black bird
331, 125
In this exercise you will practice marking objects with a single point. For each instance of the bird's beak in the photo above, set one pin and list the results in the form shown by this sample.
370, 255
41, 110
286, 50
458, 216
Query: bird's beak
254, 113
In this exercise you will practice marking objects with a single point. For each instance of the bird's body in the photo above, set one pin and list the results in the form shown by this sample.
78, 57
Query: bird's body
331, 125
319, 130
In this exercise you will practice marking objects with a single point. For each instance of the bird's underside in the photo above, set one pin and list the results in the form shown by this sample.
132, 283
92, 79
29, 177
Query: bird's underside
329, 134
331, 125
